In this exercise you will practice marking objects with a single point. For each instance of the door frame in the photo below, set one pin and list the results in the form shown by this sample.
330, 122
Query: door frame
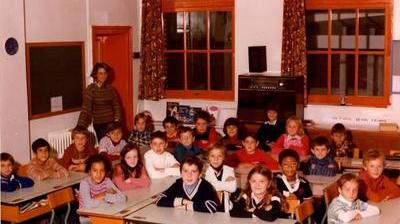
110, 30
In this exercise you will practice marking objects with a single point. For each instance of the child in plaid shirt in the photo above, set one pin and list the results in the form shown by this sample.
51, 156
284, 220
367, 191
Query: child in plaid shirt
144, 126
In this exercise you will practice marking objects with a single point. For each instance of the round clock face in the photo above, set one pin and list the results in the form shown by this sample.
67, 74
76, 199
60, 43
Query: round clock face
11, 46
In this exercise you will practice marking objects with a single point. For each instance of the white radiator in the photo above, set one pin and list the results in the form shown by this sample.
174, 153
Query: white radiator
61, 139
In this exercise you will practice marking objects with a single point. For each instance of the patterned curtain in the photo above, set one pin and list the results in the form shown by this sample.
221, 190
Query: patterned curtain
152, 69
294, 59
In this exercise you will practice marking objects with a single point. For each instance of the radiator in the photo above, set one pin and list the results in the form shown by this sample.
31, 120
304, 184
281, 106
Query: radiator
59, 140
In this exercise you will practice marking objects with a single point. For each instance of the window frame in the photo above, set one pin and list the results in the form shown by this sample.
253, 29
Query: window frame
169, 6
356, 5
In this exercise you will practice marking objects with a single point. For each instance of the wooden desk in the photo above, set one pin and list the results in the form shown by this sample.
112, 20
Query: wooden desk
154, 214
358, 164
319, 183
57, 191
136, 199
389, 213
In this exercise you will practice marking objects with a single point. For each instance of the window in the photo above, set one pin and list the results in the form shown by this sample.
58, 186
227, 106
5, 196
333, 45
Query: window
348, 51
199, 48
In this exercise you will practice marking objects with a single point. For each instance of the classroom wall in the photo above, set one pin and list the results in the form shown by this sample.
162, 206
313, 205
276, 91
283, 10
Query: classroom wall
260, 23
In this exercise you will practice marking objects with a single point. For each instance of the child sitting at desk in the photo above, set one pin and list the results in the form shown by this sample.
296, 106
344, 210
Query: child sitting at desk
222, 177
272, 129
130, 173
293, 139
9, 180
321, 162
97, 189
374, 185
78, 152
204, 135
158, 162
260, 199
112, 144
250, 155
186, 146
140, 134
342, 144
42, 166
293, 187
233, 131
190, 192
347, 207
170, 125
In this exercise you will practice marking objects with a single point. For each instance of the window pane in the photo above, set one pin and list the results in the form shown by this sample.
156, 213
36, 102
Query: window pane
370, 75
220, 30
343, 29
173, 29
197, 71
221, 71
372, 29
342, 76
196, 30
317, 66
317, 30
175, 71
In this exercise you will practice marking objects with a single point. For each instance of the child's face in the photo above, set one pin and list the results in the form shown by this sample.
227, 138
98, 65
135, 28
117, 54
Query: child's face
101, 75
132, 158
320, 151
97, 172
292, 128
231, 130
80, 141
190, 174
158, 145
272, 115
259, 184
374, 167
140, 124
42, 154
250, 144
186, 138
115, 135
6, 168
349, 190
338, 138
216, 158
170, 128
201, 126
289, 167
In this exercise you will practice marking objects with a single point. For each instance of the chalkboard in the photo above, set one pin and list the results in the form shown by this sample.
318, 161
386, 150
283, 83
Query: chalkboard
55, 77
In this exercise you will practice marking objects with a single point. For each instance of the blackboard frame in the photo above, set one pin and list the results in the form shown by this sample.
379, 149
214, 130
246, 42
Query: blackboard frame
30, 47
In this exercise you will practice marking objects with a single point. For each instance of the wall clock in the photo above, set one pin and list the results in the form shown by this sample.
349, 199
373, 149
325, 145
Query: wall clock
11, 46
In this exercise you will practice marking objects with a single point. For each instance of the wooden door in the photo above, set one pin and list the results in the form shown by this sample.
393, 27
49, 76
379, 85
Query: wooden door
113, 45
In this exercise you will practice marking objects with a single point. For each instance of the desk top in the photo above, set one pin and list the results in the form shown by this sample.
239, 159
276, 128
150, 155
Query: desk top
358, 164
389, 213
41, 188
154, 214
136, 199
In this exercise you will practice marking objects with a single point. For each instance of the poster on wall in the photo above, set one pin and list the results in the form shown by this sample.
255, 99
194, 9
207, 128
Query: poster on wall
172, 109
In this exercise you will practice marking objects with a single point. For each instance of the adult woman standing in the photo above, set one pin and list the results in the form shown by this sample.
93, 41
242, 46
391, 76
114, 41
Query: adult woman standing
100, 102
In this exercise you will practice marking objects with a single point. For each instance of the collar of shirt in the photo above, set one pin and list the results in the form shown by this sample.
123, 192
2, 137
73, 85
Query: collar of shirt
289, 186
341, 198
270, 122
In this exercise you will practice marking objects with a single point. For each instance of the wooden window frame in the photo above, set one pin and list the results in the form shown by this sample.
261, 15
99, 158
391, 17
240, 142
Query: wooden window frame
205, 6
356, 5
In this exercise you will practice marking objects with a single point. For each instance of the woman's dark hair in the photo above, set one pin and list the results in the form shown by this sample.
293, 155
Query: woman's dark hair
126, 169
192, 160
7, 157
38, 143
99, 158
235, 122
288, 153
98, 66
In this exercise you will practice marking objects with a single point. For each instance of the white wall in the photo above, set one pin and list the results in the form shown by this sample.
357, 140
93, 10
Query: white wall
14, 126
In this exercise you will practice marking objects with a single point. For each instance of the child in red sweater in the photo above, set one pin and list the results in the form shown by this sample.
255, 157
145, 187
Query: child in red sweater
374, 185
293, 139
251, 155
204, 135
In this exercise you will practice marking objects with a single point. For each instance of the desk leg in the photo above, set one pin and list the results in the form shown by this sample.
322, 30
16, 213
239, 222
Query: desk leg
52, 216
67, 213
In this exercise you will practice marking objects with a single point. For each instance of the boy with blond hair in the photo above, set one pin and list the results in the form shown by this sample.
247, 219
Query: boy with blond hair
375, 186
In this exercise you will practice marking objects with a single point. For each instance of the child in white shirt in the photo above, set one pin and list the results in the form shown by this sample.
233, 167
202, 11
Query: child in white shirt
158, 162
347, 207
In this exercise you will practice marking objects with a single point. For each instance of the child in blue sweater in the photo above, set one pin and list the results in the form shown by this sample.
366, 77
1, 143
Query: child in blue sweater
9, 180
321, 161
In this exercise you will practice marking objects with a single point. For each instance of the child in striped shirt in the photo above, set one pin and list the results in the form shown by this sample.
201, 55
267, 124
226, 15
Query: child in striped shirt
321, 161
112, 144
347, 207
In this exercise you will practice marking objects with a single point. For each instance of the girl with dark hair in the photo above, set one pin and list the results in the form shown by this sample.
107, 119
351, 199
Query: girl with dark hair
130, 173
233, 131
